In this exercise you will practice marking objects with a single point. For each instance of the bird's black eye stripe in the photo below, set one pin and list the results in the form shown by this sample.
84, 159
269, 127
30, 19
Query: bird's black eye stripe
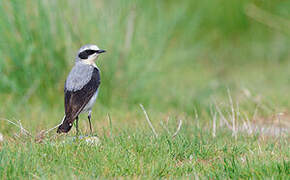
85, 54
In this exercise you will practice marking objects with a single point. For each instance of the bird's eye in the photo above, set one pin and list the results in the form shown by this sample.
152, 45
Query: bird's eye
89, 52
85, 54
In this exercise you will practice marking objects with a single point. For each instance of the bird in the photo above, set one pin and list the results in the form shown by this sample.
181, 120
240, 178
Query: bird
81, 87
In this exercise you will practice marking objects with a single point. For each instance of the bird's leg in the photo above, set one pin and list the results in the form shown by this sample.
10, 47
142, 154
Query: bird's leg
77, 125
89, 117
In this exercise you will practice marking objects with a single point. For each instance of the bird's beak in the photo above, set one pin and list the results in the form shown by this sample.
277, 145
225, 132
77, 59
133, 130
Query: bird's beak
100, 51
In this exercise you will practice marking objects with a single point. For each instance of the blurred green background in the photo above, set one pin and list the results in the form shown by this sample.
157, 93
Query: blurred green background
174, 57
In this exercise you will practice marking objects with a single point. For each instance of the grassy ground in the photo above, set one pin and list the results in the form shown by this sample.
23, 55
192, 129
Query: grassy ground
192, 153
221, 67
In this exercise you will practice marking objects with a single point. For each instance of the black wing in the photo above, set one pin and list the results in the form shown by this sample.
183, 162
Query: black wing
75, 101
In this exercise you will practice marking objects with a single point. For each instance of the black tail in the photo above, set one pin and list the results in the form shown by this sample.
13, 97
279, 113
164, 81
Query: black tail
65, 126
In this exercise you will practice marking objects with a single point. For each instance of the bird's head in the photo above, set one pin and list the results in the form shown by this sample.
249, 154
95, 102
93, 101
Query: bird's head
88, 53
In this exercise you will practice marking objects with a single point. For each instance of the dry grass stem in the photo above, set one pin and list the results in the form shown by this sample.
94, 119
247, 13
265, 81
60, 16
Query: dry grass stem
214, 125
164, 127
148, 120
233, 115
17, 125
178, 128
223, 117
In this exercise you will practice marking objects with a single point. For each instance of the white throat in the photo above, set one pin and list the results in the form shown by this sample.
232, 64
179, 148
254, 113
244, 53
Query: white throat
90, 61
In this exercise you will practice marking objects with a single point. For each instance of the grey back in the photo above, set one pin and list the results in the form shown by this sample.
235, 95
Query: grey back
78, 77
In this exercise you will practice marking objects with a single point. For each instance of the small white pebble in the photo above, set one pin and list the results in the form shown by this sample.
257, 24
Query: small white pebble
247, 92
92, 140
1, 137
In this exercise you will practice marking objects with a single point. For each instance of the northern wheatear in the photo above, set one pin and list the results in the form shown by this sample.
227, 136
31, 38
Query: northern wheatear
81, 87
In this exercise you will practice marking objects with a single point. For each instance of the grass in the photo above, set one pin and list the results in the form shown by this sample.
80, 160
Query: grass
194, 152
182, 61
